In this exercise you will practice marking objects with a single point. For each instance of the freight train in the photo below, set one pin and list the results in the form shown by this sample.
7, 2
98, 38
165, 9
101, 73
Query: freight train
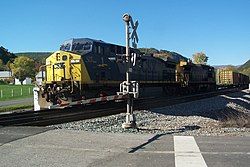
230, 78
84, 68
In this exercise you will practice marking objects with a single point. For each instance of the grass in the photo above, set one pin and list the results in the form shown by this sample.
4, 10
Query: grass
9, 92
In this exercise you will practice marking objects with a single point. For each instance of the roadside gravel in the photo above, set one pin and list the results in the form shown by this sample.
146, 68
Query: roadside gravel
216, 116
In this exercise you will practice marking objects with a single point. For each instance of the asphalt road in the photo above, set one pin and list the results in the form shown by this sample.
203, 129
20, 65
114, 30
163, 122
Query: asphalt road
16, 102
36, 146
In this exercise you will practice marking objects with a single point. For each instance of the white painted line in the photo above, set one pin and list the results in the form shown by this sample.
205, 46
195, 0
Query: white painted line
187, 152
235, 98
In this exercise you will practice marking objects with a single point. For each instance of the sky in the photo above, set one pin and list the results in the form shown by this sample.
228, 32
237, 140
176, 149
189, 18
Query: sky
219, 28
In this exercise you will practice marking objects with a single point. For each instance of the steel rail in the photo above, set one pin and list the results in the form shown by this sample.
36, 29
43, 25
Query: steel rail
57, 116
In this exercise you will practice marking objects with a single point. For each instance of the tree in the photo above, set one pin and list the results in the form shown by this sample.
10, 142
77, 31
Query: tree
245, 68
2, 66
23, 67
5, 55
200, 58
149, 50
230, 68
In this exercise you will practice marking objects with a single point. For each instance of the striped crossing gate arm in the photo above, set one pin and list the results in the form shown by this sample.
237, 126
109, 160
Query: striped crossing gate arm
90, 101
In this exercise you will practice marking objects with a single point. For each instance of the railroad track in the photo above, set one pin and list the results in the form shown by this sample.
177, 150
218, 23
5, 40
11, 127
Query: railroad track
57, 116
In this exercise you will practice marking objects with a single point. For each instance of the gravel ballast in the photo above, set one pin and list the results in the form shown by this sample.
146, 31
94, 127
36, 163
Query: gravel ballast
216, 116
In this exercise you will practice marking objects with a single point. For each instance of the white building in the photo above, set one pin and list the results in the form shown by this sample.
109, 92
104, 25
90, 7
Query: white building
39, 77
4, 75
27, 81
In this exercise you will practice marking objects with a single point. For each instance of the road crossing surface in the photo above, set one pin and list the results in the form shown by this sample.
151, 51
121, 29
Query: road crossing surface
37, 146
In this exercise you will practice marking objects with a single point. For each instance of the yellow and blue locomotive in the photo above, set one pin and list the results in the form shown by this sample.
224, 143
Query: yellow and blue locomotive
84, 68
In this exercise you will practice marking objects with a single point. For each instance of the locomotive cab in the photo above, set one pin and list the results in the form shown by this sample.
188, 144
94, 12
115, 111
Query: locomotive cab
64, 74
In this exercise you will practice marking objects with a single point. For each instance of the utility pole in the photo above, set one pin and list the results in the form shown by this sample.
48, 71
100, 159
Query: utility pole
129, 87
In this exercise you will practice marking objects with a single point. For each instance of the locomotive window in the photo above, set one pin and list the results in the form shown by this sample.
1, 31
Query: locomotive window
64, 57
87, 47
59, 66
83, 46
79, 46
65, 47
76, 46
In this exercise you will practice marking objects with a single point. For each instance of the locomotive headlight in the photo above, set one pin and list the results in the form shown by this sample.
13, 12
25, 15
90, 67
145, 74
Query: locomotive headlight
126, 17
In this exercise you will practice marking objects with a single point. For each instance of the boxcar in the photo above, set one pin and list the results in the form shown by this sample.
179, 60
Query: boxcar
231, 78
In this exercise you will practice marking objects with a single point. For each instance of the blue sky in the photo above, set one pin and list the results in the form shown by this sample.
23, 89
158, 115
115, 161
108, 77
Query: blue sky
220, 28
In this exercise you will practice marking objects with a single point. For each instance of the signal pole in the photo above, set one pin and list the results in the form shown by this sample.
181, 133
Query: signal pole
130, 117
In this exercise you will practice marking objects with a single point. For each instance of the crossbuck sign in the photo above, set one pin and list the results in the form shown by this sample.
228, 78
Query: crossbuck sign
134, 35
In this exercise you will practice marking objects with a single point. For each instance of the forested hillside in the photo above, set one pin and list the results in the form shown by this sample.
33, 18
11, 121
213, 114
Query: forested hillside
40, 57
163, 54
245, 68
5, 55
37, 56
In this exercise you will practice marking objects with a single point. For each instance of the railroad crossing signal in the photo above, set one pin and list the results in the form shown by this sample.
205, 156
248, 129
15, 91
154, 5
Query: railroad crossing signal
129, 87
134, 35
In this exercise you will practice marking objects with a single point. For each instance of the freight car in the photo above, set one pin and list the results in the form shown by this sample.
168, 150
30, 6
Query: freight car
229, 78
86, 68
